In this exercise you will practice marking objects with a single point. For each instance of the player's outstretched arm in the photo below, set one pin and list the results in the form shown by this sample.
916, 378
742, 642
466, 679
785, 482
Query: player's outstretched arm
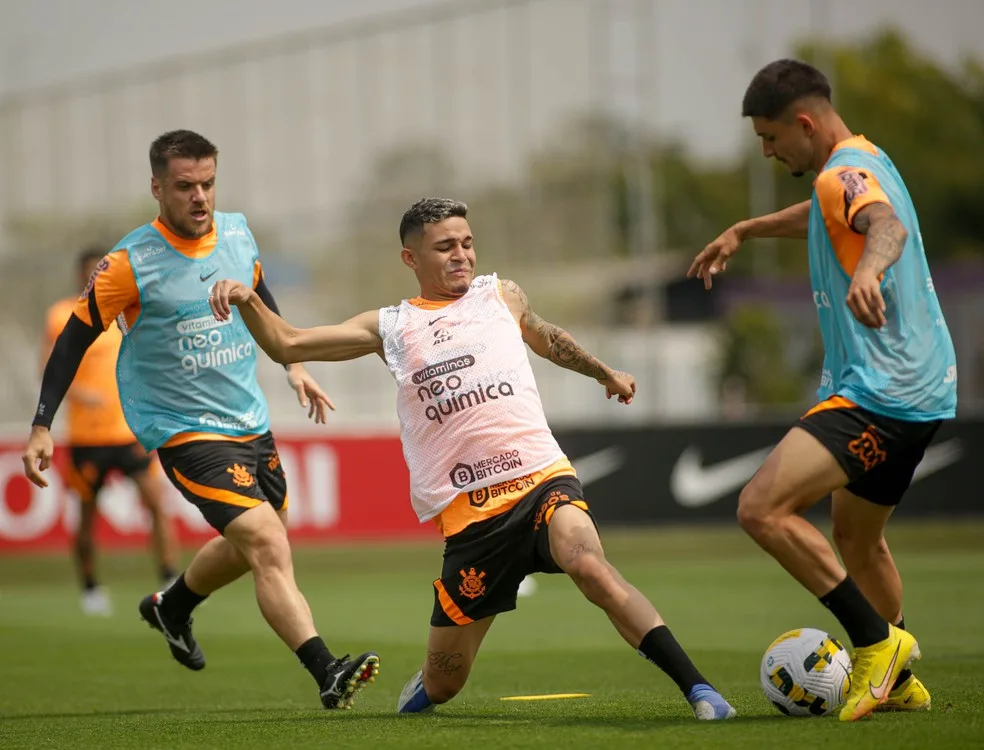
554, 343
287, 344
791, 223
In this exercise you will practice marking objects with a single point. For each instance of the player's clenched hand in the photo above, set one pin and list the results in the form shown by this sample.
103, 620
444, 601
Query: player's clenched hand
224, 295
864, 298
619, 384
713, 259
309, 393
37, 455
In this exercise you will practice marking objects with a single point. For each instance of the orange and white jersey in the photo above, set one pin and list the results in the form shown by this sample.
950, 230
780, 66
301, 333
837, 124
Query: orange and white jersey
470, 412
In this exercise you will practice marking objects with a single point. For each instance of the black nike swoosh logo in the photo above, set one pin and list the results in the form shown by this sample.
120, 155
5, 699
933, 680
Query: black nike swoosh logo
206, 278
432, 322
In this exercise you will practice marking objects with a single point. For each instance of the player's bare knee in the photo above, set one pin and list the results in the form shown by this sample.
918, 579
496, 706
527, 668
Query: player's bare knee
269, 552
750, 515
756, 514
265, 547
444, 676
594, 576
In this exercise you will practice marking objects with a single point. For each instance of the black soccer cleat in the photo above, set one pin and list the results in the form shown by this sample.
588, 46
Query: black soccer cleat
346, 677
184, 647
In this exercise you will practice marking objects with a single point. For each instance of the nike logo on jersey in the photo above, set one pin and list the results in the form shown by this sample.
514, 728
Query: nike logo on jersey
206, 278
432, 322
879, 691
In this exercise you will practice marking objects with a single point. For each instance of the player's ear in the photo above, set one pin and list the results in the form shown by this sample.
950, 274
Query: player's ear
807, 123
155, 188
406, 254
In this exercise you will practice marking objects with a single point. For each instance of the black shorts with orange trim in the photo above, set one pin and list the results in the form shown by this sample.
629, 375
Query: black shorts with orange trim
878, 454
89, 465
485, 563
225, 478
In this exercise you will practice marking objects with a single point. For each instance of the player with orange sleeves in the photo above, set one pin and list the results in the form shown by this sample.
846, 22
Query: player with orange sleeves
101, 442
189, 390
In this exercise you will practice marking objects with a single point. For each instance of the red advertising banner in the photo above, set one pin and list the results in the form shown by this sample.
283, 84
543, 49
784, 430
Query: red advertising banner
352, 488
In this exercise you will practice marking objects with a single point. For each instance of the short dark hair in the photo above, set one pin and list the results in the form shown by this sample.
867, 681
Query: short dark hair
88, 254
429, 211
179, 144
780, 84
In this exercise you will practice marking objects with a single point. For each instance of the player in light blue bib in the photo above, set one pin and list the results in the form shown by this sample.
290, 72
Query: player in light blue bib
189, 391
889, 376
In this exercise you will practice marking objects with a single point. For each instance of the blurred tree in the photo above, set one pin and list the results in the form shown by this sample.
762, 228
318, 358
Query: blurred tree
929, 119
575, 203
41, 267
756, 360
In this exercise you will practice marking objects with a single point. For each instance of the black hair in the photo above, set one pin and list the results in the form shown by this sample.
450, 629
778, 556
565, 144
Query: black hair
780, 84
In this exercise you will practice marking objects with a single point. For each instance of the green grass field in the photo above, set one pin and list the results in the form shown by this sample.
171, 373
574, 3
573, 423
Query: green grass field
68, 681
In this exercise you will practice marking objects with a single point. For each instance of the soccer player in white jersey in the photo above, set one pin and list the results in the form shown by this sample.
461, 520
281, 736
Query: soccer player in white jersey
484, 465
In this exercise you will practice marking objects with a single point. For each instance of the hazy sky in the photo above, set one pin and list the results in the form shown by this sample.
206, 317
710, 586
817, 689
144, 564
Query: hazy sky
704, 50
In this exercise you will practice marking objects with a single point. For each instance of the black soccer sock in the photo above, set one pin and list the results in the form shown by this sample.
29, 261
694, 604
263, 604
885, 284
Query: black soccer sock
661, 648
315, 657
179, 601
906, 673
863, 624
166, 573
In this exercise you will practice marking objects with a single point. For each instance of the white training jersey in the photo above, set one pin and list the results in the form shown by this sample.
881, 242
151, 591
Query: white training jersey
470, 412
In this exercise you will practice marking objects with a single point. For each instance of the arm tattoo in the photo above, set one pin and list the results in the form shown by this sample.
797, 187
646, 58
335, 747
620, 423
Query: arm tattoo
577, 550
559, 346
885, 237
444, 662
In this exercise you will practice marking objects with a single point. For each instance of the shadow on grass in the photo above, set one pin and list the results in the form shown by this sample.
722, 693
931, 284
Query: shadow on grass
451, 721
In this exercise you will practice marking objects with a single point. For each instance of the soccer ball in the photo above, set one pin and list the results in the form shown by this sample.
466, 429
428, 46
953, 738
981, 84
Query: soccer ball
806, 672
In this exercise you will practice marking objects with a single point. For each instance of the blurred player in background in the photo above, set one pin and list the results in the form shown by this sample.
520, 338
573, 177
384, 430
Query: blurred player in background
484, 465
189, 390
100, 442
889, 376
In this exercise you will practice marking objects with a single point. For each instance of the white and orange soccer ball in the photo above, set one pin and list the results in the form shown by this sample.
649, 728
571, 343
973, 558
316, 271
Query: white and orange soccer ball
806, 672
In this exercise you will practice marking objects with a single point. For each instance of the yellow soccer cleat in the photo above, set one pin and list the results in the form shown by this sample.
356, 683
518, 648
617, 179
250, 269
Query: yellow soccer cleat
911, 695
876, 668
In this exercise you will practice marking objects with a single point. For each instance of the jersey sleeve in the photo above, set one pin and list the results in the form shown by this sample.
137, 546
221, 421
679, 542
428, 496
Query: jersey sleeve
112, 289
257, 273
843, 191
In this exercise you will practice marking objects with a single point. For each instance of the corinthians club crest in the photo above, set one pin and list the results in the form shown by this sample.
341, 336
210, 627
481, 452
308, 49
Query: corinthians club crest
471, 583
